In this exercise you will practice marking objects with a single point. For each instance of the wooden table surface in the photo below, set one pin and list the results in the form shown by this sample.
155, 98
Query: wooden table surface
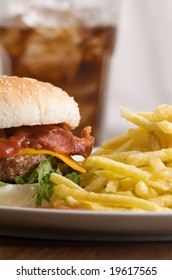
25, 249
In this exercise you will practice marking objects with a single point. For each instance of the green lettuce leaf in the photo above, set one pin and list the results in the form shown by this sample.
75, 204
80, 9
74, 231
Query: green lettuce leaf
41, 175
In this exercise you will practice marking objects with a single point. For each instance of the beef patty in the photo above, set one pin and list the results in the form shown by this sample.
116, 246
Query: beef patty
17, 166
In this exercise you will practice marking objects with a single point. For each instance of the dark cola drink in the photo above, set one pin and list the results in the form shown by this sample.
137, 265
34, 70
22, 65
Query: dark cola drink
75, 57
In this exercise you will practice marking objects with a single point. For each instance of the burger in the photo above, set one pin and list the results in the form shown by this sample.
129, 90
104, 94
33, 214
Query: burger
36, 139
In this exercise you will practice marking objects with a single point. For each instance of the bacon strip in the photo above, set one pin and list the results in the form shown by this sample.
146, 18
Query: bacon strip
63, 142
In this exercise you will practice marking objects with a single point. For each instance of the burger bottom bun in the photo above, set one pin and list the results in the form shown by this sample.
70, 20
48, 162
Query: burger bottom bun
18, 195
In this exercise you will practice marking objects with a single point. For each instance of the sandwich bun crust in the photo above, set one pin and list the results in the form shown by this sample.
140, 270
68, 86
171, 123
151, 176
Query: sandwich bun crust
27, 102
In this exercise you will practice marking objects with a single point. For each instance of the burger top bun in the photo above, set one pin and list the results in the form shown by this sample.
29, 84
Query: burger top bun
25, 101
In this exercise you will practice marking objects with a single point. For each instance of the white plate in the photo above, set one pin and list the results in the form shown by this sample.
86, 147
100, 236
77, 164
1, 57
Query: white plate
84, 225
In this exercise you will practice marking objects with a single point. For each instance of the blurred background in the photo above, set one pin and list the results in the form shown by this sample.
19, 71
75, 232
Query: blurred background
106, 53
141, 71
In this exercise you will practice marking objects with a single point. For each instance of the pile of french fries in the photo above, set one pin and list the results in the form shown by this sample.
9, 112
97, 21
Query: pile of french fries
131, 172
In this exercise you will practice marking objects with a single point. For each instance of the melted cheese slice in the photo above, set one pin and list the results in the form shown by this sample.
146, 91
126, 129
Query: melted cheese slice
67, 159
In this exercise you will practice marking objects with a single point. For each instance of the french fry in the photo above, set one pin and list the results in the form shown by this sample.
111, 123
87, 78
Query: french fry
142, 190
58, 179
108, 174
56, 201
108, 199
155, 142
147, 115
120, 156
140, 120
72, 202
116, 142
127, 193
127, 184
161, 113
97, 184
157, 164
165, 126
140, 138
142, 159
102, 151
112, 186
163, 200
